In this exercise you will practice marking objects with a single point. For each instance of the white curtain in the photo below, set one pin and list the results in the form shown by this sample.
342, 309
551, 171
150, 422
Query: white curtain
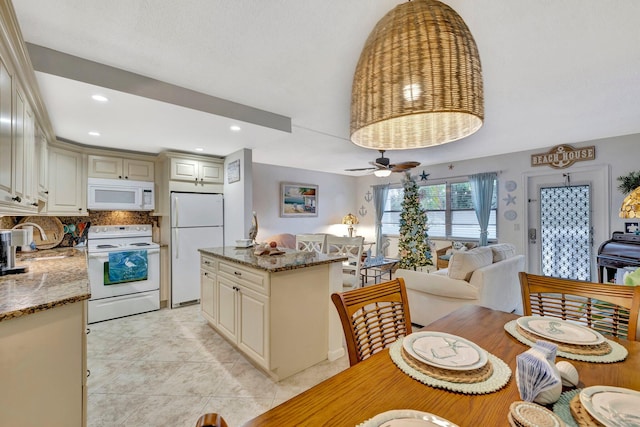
481, 194
380, 193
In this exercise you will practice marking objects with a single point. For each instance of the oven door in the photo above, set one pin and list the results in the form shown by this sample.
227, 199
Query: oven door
107, 280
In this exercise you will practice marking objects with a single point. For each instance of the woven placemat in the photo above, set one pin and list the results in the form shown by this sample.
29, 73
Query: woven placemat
561, 407
581, 415
529, 414
498, 379
617, 354
467, 377
592, 350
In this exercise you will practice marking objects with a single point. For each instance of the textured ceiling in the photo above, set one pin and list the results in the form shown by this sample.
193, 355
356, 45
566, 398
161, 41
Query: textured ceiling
554, 72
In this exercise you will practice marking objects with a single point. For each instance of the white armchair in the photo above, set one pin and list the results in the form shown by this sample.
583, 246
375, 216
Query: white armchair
482, 276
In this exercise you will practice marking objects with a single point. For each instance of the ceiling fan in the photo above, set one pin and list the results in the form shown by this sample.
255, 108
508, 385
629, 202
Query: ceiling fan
382, 167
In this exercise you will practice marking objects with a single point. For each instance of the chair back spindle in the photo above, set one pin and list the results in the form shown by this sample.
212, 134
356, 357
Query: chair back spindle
607, 308
373, 317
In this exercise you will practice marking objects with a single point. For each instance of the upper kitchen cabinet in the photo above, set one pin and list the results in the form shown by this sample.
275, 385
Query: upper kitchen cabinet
120, 168
42, 162
184, 172
6, 139
67, 182
23, 119
198, 171
18, 192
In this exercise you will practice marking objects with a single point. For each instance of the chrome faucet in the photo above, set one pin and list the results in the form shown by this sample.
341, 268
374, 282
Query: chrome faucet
43, 235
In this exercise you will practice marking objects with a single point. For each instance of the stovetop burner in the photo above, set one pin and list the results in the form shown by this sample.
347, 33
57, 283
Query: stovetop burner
111, 238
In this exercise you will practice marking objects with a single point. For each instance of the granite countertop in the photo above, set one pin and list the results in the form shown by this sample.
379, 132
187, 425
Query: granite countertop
61, 279
290, 260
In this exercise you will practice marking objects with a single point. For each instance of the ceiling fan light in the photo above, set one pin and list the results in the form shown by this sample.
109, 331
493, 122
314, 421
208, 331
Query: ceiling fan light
381, 173
418, 82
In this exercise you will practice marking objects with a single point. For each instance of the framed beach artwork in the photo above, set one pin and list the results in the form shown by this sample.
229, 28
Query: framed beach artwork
298, 199
233, 171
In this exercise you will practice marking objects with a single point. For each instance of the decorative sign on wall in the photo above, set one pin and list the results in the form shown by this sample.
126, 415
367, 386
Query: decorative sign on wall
563, 156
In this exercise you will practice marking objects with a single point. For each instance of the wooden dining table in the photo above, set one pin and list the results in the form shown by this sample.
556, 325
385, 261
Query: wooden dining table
377, 385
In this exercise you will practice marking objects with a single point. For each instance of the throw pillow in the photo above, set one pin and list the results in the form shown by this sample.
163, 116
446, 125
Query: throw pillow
502, 251
463, 264
456, 246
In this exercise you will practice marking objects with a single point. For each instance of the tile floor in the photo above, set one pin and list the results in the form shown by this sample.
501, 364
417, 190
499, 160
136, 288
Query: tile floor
168, 367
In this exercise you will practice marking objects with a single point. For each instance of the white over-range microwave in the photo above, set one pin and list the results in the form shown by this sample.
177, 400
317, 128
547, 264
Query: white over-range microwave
120, 195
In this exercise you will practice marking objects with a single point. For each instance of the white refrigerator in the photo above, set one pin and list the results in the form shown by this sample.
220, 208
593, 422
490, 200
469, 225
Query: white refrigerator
197, 221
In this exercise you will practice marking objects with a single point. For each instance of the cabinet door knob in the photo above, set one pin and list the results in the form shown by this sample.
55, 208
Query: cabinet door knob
34, 204
126, 177
17, 199
46, 192
237, 273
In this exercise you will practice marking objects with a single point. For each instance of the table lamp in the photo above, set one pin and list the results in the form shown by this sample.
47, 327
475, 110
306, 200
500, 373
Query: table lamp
350, 219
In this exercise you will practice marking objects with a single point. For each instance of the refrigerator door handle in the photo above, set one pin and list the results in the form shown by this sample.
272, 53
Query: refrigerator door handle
175, 210
177, 240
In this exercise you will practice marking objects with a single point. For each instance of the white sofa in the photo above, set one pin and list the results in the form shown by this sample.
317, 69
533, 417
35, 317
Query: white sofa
486, 276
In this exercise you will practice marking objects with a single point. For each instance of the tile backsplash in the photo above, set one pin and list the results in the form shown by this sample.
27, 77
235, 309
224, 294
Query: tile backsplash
95, 218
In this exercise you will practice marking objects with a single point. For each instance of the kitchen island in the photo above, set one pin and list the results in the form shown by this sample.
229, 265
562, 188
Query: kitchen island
43, 340
276, 309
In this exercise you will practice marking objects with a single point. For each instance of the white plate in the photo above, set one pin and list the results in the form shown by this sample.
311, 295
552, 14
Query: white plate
407, 418
612, 406
445, 350
560, 330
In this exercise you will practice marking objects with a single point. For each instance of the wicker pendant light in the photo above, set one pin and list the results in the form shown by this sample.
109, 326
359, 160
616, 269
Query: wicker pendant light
418, 82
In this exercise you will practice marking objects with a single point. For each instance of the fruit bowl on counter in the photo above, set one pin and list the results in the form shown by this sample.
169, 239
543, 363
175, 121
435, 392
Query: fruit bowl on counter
267, 249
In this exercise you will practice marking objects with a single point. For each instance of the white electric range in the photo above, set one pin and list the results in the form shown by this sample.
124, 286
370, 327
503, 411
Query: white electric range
124, 271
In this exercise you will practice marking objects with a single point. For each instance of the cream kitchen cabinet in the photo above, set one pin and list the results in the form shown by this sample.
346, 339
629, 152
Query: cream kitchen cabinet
120, 168
277, 317
197, 171
67, 183
6, 137
43, 366
243, 313
208, 288
18, 177
42, 163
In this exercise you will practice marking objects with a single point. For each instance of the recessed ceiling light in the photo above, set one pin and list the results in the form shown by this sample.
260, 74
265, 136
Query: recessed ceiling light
199, 149
94, 133
100, 98
235, 128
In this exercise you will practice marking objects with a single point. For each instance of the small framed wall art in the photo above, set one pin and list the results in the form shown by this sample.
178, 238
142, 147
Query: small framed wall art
632, 227
233, 171
298, 200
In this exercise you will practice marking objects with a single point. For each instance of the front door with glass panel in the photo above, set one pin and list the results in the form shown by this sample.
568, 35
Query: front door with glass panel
564, 224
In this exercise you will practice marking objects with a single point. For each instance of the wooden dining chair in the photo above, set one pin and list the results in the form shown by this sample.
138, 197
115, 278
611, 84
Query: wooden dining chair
311, 243
211, 420
607, 308
373, 317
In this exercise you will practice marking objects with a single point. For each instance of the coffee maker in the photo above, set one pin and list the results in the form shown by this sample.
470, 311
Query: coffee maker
8, 251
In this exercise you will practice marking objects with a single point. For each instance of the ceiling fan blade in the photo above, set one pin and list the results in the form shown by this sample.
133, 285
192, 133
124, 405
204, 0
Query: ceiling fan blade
399, 167
359, 169
379, 165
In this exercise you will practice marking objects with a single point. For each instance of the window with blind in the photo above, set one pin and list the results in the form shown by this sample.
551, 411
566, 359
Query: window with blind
450, 212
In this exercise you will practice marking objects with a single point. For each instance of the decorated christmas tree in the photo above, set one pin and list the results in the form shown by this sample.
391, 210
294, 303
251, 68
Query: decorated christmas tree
413, 245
